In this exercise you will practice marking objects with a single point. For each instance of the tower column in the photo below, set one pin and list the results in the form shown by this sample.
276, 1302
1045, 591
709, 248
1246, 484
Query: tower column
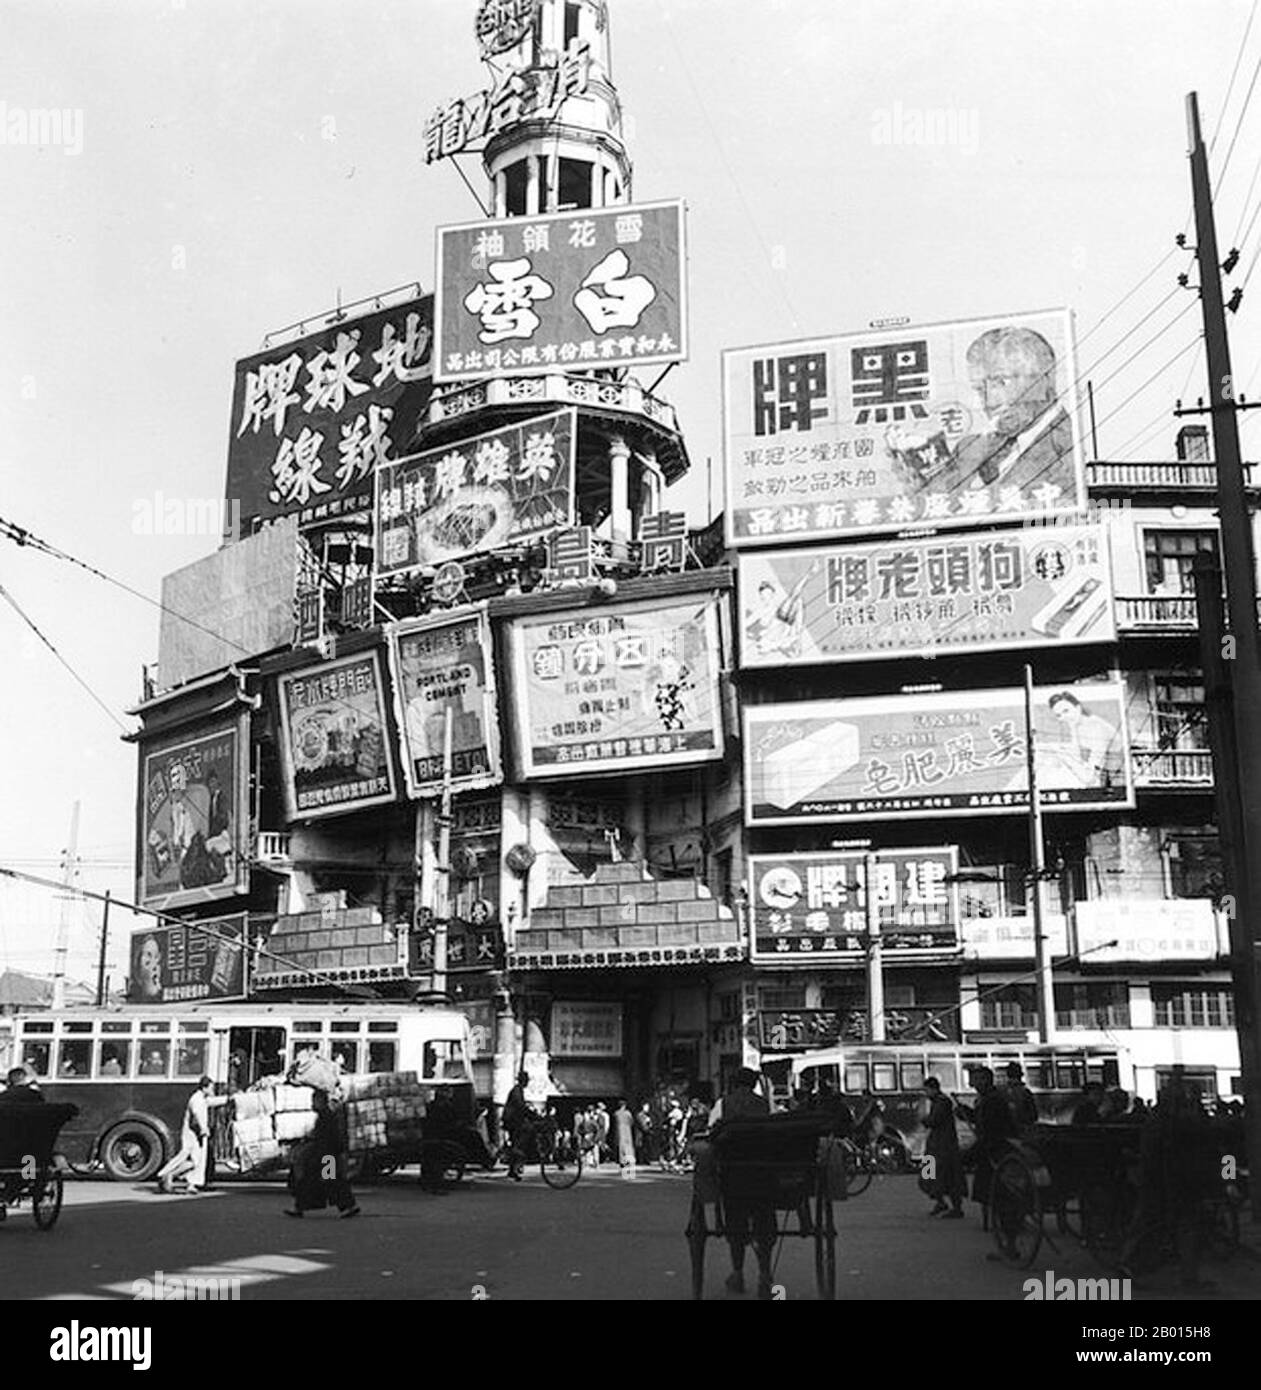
619, 489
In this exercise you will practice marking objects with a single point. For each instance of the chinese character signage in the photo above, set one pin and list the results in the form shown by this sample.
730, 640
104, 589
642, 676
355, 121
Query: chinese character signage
335, 743
469, 947
1113, 930
312, 420
617, 688
441, 665
804, 1030
955, 424
501, 488
1040, 587
196, 961
996, 938
951, 753
194, 817
586, 1030
502, 24
813, 907
597, 287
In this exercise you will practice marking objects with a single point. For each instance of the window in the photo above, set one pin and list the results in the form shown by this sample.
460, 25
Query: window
1012, 1007
515, 183
36, 1056
1170, 557
947, 1072
720, 882
572, 13
781, 996
113, 1058
382, 1056
1180, 1005
1070, 1074
190, 1057
884, 1076
1181, 713
855, 1078
387, 1026
346, 1051
912, 1076
1094, 1005
575, 184
444, 1060
308, 1027
155, 1057
75, 1058
152, 1026
729, 1007
340, 1027
1195, 866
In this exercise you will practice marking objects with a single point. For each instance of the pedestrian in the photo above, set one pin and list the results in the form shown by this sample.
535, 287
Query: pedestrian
1089, 1110
674, 1134
22, 1088
194, 1143
1019, 1098
695, 1127
516, 1120
944, 1180
319, 1172
645, 1139
602, 1125
994, 1126
624, 1135
748, 1222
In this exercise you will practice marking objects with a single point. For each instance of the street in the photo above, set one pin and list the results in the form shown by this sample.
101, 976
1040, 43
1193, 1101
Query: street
608, 1238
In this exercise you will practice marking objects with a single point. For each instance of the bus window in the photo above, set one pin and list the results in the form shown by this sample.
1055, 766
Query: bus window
1070, 1074
190, 1057
155, 1055
36, 1056
345, 1051
884, 1076
254, 1053
912, 1076
444, 1061
308, 1026
155, 1026
382, 1056
341, 1027
113, 1057
383, 1026
946, 1070
75, 1059
1038, 1074
855, 1078
1111, 1071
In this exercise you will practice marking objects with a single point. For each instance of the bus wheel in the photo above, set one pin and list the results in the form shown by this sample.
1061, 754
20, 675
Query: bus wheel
132, 1152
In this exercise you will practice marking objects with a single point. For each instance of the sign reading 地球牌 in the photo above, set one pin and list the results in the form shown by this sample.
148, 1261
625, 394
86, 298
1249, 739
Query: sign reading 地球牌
628, 686
335, 744
955, 424
597, 287
1043, 586
814, 906
952, 753
509, 485
172, 964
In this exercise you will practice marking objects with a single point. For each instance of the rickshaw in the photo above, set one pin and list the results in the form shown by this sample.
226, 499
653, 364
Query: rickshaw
28, 1167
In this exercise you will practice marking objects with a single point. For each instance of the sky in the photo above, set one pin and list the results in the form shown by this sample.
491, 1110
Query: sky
229, 167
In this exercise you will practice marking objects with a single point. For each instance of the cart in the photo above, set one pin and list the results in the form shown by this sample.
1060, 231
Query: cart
772, 1176
28, 1167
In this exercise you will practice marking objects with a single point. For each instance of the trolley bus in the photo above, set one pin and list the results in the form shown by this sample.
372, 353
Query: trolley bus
130, 1070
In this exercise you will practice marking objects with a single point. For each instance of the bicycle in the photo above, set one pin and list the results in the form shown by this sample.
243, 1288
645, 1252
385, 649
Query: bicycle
559, 1160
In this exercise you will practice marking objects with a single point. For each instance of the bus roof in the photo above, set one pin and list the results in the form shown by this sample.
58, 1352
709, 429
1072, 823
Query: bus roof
237, 1008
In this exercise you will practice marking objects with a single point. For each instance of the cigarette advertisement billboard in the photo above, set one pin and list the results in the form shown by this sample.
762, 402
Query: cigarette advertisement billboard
335, 742
203, 960
1044, 586
944, 754
624, 687
953, 424
596, 287
508, 485
441, 664
194, 816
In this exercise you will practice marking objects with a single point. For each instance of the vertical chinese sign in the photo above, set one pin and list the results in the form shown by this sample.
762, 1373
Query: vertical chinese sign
335, 742
598, 287
311, 421
194, 817
957, 424
203, 960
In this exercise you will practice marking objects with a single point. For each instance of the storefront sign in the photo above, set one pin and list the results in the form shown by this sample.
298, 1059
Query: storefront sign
496, 489
622, 687
952, 753
626, 957
955, 424
1044, 586
194, 817
994, 938
469, 947
197, 961
813, 907
312, 420
801, 1030
1154, 930
502, 24
441, 665
597, 287
335, 742
586, 1030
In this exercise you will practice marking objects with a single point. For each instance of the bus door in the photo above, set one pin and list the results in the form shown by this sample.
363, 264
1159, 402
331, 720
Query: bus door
254, 1053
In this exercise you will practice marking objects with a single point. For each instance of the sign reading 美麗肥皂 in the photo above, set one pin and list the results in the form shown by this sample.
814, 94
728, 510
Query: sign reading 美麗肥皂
335, 741
622, 687
951, 753
1042, 586
312, 420
198, 960
596, 287
954, 424
813, 907
586, 1030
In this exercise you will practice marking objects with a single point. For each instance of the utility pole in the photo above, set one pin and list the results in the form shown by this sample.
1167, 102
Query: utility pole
1037, 857
70, 871
875, 953
1242, 772
100, 960
442, 879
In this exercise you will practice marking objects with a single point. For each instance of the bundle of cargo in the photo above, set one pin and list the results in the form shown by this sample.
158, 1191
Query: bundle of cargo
384, 1111
267, 1118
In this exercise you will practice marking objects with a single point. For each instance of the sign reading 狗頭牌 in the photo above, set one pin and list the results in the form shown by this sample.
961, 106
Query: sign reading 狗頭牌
947, 754
813, 907
312, 420
955, 424
335, 742
629, 686
202, 960
1040, 587
596, 287
500, 488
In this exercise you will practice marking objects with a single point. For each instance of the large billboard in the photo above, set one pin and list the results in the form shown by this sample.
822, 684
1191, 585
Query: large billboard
312, 420
500, 488
596, 287
202, 960
944, 754
812, 908
1044, 586
953, 424
440, 664
194, 816
335, 742
624, 687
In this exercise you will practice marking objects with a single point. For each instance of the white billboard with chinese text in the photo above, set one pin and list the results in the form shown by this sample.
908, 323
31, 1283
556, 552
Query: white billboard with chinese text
1113, 930
586, 1030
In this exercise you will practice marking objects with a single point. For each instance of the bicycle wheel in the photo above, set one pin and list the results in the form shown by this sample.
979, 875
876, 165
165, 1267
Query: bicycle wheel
824, 1247
558, 1172
1016, 1212
46, 1200
857, 1170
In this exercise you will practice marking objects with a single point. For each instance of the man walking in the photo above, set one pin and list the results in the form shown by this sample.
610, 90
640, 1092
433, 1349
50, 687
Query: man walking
944, 1178
194, 1142
319, 1172
516, 1118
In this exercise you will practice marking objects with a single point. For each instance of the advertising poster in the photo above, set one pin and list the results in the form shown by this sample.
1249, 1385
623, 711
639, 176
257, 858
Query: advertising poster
1112, 930
953, 424
597, 287
813, 907
313, 419
194, 817
439, 665
509, 485
951, 753
1044, 586
173, 964
586, 1030
627, 686
335, 742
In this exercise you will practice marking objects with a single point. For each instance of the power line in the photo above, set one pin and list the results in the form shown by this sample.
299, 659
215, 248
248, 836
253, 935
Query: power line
1234, 72
1221, 177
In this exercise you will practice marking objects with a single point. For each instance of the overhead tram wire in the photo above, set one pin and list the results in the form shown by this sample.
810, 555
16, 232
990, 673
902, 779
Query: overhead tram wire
1256, 72
1234, 72
1147, 431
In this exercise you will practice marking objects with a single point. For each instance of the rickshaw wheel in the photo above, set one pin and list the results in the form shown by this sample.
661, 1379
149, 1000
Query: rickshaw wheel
857, 1169
1016, 1212
824, 1248
46, 1200
696, 1245
558, 1172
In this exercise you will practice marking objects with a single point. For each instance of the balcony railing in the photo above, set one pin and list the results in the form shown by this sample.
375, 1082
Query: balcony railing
1172, 767
1154, 614
272, 849
1157, 477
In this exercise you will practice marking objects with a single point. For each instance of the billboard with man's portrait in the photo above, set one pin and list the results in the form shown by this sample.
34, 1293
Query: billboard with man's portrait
954, 424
